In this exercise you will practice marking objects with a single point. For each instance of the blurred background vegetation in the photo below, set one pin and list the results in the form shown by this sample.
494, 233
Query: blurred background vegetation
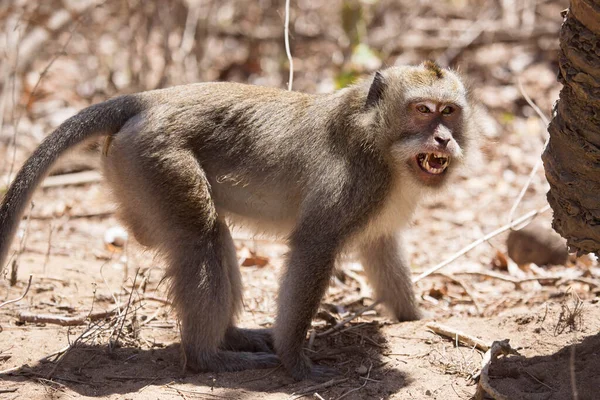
60, 56
88, 50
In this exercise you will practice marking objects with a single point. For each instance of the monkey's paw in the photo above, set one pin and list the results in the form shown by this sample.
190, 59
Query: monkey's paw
252, 340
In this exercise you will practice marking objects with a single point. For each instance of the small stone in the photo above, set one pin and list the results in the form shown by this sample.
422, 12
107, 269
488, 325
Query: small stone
362, 370
537, 243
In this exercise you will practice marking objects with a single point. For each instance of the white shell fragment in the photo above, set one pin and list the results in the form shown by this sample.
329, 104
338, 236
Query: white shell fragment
116, 236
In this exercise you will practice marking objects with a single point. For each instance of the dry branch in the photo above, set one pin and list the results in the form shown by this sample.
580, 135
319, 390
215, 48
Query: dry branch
288, 52
78, 178
465, 288
461, 337
63, 320
340, 324
323, 385
465, 250
20, 297
507, 278
360, 387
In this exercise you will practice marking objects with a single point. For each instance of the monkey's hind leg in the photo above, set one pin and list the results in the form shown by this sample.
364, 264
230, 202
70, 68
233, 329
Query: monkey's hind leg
169, 201
207, 300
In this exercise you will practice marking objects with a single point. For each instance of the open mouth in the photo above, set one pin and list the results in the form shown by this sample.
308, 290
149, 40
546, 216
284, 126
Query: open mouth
433, 163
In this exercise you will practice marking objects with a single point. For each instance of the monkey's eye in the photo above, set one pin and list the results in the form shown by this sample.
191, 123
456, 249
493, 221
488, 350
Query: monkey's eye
422, 108
447, 110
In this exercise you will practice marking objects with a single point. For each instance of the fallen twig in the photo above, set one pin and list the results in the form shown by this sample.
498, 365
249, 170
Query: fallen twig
63, 320
348, 319
580, 279
116, 341
476, 243
77, 178
507, 278
323, 385
20, 297
461, 337
465, 288
92, 214
538, 162
195, 392
43, 378
358, 388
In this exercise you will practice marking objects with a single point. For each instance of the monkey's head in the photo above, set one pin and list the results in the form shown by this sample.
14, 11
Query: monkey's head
422, 119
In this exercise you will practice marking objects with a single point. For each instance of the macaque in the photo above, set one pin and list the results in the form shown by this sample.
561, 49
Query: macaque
332, 172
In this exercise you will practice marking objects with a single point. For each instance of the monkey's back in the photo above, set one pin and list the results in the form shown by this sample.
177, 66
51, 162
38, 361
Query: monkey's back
260, 148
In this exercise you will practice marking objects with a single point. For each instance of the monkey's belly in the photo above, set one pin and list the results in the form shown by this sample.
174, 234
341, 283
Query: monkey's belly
271, 210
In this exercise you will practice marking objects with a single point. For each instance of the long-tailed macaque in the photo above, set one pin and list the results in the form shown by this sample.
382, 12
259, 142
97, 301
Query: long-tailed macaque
332, 172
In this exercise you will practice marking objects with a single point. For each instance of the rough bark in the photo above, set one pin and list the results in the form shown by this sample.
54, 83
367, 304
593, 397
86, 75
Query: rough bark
572, 158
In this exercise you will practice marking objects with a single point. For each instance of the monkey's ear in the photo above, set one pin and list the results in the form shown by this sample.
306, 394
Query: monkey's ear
376, 90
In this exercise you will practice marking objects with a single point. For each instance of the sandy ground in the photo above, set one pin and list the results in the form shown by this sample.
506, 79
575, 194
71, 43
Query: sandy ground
134, 353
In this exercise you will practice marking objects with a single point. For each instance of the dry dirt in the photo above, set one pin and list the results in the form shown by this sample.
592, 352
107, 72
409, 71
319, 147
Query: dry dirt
135, 354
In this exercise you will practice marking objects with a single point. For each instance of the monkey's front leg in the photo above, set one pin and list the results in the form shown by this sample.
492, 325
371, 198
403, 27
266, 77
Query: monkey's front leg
387, 270
309, 267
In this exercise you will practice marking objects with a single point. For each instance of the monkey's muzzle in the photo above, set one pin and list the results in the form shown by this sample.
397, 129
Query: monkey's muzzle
433, 163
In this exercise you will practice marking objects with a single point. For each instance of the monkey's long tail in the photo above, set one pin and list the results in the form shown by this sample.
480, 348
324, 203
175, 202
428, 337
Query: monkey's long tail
100, 119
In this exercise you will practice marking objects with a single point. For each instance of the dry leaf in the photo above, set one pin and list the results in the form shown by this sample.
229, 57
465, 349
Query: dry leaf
500, 261
251, 259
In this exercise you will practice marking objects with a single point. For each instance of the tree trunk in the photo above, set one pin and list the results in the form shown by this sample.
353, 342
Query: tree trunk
572, 159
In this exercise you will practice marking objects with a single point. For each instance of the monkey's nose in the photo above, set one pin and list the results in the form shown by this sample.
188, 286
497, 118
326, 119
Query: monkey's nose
442, 141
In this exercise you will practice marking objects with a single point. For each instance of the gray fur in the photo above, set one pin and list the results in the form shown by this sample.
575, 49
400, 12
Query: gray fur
331, 172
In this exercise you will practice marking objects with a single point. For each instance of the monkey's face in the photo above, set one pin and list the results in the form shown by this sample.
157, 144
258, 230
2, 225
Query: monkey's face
429, 143
422, 115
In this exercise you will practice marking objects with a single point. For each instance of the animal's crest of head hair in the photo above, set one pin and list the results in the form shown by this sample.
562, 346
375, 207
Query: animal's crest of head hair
434, 68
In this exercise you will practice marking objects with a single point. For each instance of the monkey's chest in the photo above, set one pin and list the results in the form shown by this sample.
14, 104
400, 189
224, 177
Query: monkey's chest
394, 215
